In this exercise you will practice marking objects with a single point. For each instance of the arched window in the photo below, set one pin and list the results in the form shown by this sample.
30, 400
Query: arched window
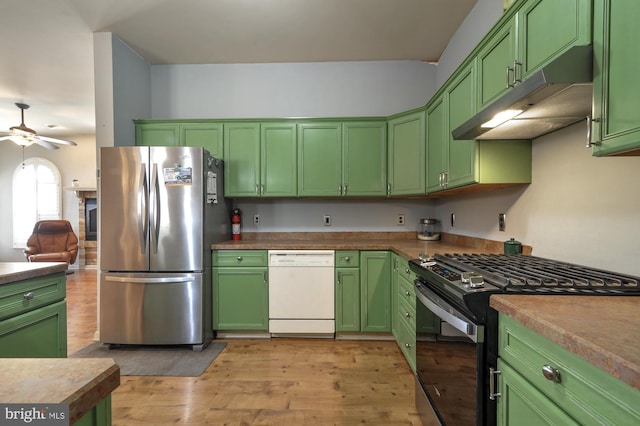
36, 196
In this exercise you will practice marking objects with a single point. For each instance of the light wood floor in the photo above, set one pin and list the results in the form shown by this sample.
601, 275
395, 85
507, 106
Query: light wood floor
261, 381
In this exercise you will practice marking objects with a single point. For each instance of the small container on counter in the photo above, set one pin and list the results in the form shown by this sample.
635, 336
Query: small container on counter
512, 247
429, 230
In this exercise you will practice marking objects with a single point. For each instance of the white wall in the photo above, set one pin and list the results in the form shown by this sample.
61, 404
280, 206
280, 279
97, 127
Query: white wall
325, 89
578, 208
73, 162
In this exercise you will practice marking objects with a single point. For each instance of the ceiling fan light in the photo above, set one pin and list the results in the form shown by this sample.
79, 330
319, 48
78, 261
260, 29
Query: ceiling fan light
22, 140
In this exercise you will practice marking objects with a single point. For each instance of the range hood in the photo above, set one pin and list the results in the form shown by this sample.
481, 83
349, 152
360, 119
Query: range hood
554, 97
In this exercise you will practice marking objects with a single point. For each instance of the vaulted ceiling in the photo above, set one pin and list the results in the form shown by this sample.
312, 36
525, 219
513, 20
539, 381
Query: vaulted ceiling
46, 46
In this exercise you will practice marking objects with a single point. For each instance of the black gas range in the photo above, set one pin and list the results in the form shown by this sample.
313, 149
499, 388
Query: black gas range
455, 364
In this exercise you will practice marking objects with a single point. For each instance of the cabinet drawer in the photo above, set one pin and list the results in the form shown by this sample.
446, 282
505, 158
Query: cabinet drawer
239, 258
26, 295
408, 312
406, 291
407, 342
347, 259
587, 393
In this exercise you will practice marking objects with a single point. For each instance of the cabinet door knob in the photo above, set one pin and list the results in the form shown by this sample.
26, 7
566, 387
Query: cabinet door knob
407, 293
239, 258
407, 345
551, 373
407, 314
28, 296
347, 259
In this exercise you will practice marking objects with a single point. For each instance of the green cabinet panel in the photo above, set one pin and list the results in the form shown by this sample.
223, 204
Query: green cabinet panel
364, 158
347, 302
406, 154
157, 134
616, 102
241, 298
496, 62
100, 415
523, 405
347, 259
207, 135
278, 160
319, 159
239, 258
242, 160
461, 106
42, 291
375, 292
547, 28
437, 146
584, 392
39, 333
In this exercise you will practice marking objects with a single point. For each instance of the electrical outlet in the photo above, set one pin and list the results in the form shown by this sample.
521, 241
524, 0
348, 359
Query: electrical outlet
327, 220
502, 221
453, 220
256, 219
400, 220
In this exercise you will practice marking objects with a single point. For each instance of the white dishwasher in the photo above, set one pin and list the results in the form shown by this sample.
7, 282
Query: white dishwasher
301, 293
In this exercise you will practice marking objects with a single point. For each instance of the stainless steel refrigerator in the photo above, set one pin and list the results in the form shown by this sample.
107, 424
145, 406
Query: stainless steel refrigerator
160, 209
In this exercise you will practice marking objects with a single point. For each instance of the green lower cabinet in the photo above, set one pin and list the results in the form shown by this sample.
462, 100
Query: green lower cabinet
100, 415
347, 299
40, 333
580, 393
240, 298
523, 405
375, 291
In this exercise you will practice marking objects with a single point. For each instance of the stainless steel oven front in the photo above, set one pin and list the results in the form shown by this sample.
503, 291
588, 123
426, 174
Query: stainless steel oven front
450, 365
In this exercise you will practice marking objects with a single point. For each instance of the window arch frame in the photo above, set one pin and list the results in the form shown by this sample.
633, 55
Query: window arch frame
25, 215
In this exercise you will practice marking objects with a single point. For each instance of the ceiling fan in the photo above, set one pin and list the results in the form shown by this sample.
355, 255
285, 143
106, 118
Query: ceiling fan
24, 136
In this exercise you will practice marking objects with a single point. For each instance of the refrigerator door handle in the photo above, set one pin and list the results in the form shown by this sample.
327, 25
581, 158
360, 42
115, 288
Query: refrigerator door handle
155, 208
181, 279
143, 207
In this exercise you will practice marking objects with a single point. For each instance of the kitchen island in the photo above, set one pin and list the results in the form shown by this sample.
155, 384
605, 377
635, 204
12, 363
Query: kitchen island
568, 359
85, 384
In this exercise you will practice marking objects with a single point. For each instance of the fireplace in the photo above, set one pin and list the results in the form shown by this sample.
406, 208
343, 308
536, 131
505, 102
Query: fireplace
91, 219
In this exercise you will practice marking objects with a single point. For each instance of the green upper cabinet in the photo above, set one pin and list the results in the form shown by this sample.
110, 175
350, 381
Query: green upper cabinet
278, 160
320, 159
495, 63
364, 158
206, 135
157, 134
547, 28
529, 37
242, 160
437, 148
260, 159
616, 125
457, 163
461, 104
406, 154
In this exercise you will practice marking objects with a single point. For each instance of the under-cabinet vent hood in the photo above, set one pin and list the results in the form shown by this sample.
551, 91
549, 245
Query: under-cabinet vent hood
554, 97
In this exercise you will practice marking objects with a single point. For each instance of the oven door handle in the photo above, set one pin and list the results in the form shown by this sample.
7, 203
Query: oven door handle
446, 312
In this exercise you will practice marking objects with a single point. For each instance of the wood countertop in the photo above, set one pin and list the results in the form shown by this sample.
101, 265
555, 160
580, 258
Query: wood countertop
602, 330
18, 271
80, 382
403, 243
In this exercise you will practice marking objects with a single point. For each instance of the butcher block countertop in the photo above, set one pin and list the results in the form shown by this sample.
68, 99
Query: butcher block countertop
602, 330
80, 382
403, 243
17, 271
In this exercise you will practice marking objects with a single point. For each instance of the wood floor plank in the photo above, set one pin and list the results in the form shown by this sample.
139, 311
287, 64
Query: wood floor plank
278, 381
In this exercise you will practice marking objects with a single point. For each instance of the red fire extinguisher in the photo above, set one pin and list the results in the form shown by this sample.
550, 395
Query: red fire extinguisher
235, 225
